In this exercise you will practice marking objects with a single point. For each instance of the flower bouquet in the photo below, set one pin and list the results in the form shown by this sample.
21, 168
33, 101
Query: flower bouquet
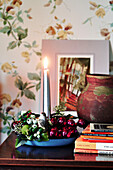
32, 128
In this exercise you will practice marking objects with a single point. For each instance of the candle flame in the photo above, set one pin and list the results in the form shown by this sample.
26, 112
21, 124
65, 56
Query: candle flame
45, 63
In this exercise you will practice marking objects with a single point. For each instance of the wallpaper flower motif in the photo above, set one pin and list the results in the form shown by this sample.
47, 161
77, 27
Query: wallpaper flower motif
60, 30
100, 12
11, 20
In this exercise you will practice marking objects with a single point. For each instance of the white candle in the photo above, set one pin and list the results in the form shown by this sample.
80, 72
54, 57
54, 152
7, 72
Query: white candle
46, 90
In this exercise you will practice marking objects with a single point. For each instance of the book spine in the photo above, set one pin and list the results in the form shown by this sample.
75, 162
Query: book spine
96, 137
101, 130
99, 134
93, 145
98, 140
106, 152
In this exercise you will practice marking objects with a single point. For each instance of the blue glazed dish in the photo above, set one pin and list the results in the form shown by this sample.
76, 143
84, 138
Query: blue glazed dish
51, 142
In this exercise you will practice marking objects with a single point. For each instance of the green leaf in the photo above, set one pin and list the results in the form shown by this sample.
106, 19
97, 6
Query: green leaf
2, 116
19, 13
111, 25
27, 45
33, 76
19, 142
33, 43
9, 32
45, 136
5, 129
38, 86
25, 129
5, 29
10, 17
12, 45
22, 33
1, 15
30, 87
29, 94
19, 84
25, 85
4, 122
99, 6
5, 22
9, 118
37, 53
88, 19
20, 19
9, 131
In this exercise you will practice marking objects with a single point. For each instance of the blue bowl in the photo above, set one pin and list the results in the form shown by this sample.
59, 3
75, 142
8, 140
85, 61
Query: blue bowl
51, 142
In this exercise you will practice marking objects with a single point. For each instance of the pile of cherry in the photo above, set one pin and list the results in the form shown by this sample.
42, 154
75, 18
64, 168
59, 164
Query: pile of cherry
61, 127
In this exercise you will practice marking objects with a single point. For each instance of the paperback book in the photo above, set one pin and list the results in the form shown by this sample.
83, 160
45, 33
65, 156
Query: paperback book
86, 144
94, 142
101, 127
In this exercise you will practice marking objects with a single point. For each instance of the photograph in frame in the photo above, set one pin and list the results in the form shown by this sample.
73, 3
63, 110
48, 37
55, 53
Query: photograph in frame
99, 49
71, 78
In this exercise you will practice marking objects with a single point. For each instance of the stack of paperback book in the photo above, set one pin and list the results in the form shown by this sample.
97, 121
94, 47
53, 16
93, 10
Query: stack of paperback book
95, 138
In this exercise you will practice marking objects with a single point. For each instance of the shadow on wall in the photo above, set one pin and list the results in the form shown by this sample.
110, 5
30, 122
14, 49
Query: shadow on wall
111, 58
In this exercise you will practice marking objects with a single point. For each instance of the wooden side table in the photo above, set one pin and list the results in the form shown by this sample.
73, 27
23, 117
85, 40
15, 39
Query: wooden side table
26, 157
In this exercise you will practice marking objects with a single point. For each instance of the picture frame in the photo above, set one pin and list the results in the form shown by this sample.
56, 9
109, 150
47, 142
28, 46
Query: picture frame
52, 48
72, 70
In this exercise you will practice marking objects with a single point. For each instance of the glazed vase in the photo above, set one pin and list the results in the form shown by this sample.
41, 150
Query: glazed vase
95, 103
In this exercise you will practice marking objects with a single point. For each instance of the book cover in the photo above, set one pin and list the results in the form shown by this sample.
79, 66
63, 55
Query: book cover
80, 150
85, 144
87, 131
97, 140
101, 127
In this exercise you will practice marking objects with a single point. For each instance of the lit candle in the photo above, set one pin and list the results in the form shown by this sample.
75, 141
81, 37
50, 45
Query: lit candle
46, 90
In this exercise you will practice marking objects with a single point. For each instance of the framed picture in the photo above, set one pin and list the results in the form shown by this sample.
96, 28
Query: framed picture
71, 78
90, 54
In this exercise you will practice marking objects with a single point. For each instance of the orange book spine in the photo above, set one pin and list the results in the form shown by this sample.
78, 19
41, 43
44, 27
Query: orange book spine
79, 150
97, 137
85, 144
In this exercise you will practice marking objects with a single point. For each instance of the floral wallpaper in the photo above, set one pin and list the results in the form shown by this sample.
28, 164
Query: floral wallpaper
23, 25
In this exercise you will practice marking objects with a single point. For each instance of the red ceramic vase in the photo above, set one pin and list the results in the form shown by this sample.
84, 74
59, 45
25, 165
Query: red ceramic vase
95, 103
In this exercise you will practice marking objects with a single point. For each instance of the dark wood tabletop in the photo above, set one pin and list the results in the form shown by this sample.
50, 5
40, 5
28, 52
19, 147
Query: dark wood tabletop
29, 157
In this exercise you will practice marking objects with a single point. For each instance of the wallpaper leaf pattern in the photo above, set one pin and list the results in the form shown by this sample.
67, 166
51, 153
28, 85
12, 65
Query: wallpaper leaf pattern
101, 11
12, 17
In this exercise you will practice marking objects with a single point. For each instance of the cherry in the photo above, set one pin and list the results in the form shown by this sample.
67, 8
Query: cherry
54, 132
69, 134
62, 121
53, 121
81, 123
71, 122
59, 133
64, 133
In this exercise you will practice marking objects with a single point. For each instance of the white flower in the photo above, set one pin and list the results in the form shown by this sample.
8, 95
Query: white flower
29, 121
34, 126
38, 134
35, 121
32, 116
35, 134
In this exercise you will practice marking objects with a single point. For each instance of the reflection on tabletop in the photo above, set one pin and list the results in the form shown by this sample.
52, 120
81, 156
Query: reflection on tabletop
64, 152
